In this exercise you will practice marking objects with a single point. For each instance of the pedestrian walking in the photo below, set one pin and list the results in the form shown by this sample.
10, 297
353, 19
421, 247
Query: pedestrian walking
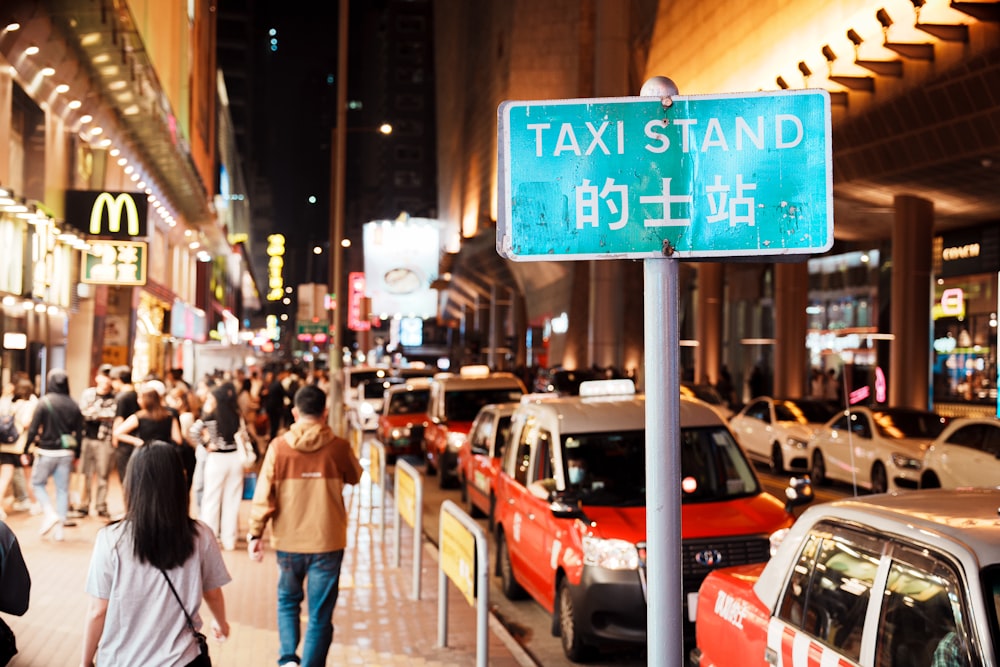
15, 589
127, 401
150, 571
300, 492
181, 400
56, 430
223, 468
18, 402
98, 406
152, 422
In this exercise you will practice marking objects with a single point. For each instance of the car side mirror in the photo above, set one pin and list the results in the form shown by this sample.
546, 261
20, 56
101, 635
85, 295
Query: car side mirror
542, 489
799, 492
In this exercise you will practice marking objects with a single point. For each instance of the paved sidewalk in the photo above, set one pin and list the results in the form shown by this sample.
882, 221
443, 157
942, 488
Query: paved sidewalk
376, 621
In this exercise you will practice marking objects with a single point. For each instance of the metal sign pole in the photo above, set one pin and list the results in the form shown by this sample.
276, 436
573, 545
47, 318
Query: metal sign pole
664, 621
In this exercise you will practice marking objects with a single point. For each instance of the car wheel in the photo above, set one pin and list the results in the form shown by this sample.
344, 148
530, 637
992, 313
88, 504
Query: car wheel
930, 481
880, 481
508, 584
572, 643
431, 469
818, 469
777, 460
491, 517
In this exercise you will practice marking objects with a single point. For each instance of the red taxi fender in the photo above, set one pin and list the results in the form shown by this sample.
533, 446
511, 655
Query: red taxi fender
731, 623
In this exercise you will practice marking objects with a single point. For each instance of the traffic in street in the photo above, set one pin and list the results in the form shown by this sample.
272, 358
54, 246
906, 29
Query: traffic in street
525, 619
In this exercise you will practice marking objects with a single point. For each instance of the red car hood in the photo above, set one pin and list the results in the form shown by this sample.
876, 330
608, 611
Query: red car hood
756, 515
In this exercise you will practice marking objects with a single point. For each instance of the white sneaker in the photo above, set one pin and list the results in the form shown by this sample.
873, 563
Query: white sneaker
48, 523
57, 534
35, 509
21, 505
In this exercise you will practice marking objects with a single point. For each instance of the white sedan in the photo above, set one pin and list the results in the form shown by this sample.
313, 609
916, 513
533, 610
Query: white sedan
875, 448
777, 430
967, 453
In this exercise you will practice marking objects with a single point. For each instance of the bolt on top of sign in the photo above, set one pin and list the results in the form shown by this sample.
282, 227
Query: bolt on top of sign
704, 177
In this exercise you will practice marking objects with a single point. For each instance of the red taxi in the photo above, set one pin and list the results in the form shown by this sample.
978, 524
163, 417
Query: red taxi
455, 400
404, 417
896, 580
479, 458
571, 511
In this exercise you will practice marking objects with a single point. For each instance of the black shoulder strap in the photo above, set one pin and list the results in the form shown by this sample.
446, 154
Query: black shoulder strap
173, 590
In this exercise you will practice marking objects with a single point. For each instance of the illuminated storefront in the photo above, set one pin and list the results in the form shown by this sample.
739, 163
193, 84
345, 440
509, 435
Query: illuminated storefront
965, 310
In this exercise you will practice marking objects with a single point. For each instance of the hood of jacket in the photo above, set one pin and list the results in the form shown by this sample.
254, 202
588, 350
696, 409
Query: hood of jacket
57, 382
308, 436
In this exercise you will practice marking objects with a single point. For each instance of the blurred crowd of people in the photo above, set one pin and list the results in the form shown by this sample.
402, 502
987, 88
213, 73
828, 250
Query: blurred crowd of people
175, 448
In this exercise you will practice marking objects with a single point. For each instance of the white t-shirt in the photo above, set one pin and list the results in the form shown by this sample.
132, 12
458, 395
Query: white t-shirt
144, 623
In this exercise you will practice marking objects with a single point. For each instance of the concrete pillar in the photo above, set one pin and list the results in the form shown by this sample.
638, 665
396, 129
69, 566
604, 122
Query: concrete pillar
791, 358
912, 240
611, 79
6, 97
708, 325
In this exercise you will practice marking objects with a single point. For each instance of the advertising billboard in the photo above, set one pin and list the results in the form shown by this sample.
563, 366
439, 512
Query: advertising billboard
401, 261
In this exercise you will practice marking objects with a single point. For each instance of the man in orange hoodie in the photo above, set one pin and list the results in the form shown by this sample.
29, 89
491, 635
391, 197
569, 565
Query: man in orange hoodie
300, 490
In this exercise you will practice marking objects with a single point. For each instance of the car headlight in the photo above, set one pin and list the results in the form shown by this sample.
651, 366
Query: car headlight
455, 441
366, 409
400, 432
907, 462
610, 554
796, 443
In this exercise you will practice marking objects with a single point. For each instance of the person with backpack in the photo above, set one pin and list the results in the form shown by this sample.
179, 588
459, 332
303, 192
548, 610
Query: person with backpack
57, 426
17, 405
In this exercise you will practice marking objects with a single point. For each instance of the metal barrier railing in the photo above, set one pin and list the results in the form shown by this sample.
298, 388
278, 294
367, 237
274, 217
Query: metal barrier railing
463, 559
409, 494
376, 477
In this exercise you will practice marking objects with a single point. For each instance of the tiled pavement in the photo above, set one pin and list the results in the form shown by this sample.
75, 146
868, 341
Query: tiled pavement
376, 621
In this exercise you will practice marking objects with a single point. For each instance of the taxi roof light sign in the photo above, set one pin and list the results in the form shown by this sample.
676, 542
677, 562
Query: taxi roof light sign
709, 176
620, 387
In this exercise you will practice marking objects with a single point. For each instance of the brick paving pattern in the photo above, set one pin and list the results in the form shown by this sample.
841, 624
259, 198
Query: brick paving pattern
376, 622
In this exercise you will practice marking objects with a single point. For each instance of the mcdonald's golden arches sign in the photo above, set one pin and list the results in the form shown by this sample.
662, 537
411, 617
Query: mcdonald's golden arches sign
117, 215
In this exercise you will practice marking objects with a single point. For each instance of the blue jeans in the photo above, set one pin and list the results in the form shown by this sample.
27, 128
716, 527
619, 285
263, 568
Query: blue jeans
321, 573
58, 468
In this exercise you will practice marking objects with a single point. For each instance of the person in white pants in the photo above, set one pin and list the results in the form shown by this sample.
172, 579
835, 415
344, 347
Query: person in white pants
223, 467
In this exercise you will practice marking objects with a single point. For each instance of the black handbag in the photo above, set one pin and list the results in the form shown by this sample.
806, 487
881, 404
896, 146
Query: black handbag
8, 647
203, 659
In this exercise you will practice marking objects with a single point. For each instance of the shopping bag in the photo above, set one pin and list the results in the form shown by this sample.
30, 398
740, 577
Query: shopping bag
249, 485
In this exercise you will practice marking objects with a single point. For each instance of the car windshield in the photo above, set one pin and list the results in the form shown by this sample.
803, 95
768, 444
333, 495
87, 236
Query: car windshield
409, 402
464, 405
376, 389
908, 424
357, 377
713, 467
804, 412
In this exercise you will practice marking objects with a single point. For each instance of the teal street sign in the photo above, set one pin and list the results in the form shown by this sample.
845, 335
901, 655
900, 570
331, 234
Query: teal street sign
707, 177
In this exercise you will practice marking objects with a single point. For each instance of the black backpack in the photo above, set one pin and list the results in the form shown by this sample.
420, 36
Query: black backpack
8, 429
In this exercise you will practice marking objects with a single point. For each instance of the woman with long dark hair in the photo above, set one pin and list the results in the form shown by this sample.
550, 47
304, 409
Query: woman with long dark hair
156, 558
223, 467
152, 422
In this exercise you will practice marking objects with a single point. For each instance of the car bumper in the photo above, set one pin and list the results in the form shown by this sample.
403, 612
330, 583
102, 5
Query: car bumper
611, 605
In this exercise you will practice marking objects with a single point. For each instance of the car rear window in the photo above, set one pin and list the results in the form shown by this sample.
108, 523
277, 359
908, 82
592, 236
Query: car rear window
909, 424
409, 402
713, 467
464, 405
804, 412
